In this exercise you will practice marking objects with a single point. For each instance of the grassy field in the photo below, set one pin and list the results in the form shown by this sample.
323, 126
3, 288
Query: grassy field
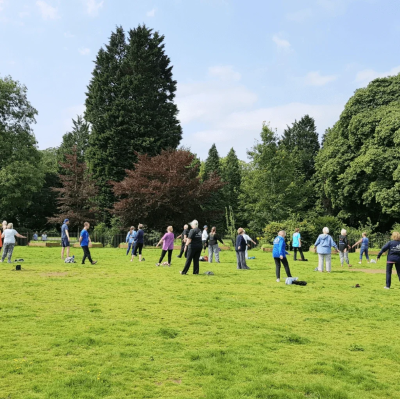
130, 330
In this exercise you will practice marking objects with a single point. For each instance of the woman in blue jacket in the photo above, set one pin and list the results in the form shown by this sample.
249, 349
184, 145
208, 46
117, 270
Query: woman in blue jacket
279, 253
240, 248
130, 239
393, 258
324, 246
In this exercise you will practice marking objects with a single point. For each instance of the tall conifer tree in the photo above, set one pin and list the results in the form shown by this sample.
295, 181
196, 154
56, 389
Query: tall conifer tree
232, 176
130, 105
212, 163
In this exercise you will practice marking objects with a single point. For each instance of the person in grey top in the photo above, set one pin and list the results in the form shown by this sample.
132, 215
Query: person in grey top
9, 235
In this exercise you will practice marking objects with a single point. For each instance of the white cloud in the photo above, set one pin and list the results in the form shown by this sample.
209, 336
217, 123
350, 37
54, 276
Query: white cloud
68, 35
367, 75
224, 73
281, 43
152, 12
226, 113
47, 11
300, 15
316, 79
2, 3
93, 7
84, 50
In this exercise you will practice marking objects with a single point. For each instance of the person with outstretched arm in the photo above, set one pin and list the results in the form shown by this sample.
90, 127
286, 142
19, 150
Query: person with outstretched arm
324, 246
393, 257
296, 244
364, 241
240, 249
168, 245
130, 239
84, 240
183, 237
247, 239
9, 235
212, 243
279, 254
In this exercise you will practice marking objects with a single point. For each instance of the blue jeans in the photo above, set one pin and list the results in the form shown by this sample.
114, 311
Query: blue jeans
130, 245
364, 251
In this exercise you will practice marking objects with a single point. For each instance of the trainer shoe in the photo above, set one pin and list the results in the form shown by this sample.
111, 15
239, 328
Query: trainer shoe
278, 280
386, 288
359, 263
93, 263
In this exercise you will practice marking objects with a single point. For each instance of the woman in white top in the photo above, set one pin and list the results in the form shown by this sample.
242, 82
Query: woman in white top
9, 235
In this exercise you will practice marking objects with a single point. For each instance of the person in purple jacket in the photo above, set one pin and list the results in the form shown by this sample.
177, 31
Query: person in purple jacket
279, 254
168, 245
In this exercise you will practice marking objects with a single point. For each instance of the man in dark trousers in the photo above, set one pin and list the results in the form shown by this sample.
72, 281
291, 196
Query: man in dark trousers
183, 237
85, 241
194, 245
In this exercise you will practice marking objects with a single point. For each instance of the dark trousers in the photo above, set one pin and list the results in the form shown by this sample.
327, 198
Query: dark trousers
86, 254
295, 249
182, 250
285, 264
163, 252
389, 268
138, 247
192, 254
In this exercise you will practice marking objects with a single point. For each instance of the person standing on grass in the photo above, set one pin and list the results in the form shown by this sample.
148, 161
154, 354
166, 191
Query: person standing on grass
204, 237
35, 236
183, 237
130, 239
296, 244
240, 249
168, 245
324, 246
85, 241
279, 254
3, 227
9, 235
139, 241
247, 239
364, 247
65, 238
193, 246
393, 257
212, 243
44, 236
344, 248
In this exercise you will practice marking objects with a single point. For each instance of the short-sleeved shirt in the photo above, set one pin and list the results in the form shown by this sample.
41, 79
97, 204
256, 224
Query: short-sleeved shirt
44, 237
9, 236
343, 243
196, 237
64, 228
295, 241
185, 233
85, 238
204, 235
168, 241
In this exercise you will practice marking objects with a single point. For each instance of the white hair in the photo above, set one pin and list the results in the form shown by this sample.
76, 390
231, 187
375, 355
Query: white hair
194, 224
282, 233
343, 232
10, 226
325, 230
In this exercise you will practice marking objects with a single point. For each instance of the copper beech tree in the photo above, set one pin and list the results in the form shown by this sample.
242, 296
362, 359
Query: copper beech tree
165, 190
75, 197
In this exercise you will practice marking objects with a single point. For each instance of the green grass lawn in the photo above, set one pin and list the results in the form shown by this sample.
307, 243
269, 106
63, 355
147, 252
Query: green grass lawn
130, 330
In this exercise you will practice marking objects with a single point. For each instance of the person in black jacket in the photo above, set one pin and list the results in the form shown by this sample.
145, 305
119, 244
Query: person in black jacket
138, 243
344, 248
240, 248
212, 243
393, 257
194, 245
183, 237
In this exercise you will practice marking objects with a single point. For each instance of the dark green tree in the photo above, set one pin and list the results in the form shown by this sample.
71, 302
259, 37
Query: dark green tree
130, 106
357, 169
231, 173
78, 137
20, 174
301, 139
212, 163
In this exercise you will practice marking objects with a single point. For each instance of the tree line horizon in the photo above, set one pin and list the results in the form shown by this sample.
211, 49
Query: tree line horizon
122, 161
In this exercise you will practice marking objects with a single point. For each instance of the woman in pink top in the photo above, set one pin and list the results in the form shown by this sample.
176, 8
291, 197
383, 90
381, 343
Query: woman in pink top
168, 245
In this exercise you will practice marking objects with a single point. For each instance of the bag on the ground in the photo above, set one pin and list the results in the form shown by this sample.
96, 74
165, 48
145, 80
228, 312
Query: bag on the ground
209, 273
203, 259
297, 282
70, 259
290, 280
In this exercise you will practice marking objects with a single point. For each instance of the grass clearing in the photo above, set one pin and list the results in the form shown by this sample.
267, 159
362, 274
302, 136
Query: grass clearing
132, 330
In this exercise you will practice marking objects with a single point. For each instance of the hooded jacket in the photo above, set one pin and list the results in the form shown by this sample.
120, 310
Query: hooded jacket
394, 251
279, 248
324, 244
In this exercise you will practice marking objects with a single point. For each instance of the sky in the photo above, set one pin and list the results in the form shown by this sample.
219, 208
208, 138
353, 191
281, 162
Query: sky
237, 63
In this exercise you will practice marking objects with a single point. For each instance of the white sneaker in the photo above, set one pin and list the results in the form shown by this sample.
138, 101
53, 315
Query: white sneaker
359, 263
386, 288
278, 280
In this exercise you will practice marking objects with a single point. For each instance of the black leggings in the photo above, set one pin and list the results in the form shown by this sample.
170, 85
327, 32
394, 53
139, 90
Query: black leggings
182, 250
86, 254
295, 253
163, 252
389, 268
278, 267
138, 247
192, 254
